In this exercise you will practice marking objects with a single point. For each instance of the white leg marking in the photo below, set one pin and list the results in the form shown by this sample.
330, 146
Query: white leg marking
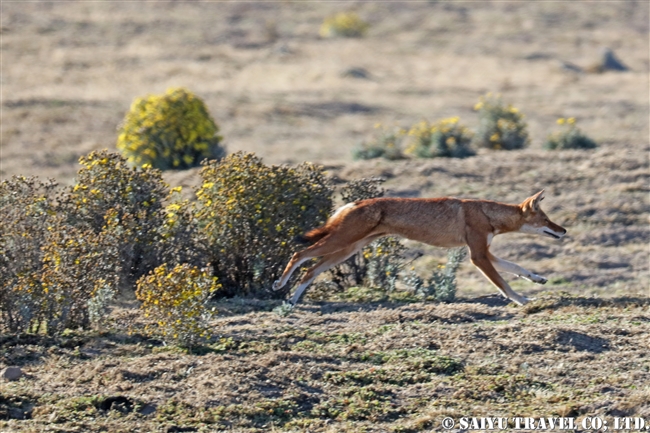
277, 285
513, 268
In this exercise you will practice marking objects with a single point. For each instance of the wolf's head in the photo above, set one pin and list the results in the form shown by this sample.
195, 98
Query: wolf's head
536, 221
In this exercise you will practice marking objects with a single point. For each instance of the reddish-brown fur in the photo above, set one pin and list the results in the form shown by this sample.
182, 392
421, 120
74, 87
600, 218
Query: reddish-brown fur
443, 222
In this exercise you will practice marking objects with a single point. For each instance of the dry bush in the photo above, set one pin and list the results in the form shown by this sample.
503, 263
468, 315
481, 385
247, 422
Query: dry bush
80, 277
387, 143
27, 206
53, 275
131, 199
176, 301
569, 137
170, 131
445, 138
501, 127
250, 211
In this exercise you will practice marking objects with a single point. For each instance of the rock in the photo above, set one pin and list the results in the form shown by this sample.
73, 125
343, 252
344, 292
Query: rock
608, 62
356, 73
611, 63
11, 373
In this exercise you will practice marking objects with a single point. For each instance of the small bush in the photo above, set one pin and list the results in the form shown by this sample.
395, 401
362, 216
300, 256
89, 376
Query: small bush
500, 127
53, 275
176, 299
441, 285
387, 144
27, 207
170, 131
344, 24
378, 264
134, 198
445, 138
80, 277
569, 137
249, 211
181, 239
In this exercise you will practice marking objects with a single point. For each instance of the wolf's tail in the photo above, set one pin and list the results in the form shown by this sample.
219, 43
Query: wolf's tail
312, 236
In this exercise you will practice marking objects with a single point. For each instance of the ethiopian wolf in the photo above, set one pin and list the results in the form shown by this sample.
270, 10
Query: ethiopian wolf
442, 222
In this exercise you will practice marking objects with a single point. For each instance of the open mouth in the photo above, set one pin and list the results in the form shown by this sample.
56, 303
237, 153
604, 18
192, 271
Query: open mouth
551, 234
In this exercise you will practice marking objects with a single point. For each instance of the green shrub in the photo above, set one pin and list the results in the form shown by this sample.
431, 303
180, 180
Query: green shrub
344, 24
133, 197
176, 301
387, 144
500, 127
379, 263
170, 131
569, 137
441, 285
445, 138
250, 211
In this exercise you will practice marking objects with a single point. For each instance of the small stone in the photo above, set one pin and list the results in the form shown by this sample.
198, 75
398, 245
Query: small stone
11, 373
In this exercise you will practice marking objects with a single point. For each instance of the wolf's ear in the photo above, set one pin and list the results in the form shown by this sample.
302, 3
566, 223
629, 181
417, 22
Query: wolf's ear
532, 202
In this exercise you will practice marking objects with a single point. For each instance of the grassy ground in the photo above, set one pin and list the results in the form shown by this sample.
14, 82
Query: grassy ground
337, 366
71, 69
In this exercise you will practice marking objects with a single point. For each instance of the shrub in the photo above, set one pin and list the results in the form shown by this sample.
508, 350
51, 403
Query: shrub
170, 131
181, 238
445, 138
441, 285
249, 211
344, 24
500, 127
134, 198
26, 206
387, 144
378, 264
53, 275
569, 137
80, 277
176, 299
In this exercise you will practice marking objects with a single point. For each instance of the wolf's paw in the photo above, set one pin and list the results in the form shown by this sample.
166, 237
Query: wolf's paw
536, 279
539, 279
276, 285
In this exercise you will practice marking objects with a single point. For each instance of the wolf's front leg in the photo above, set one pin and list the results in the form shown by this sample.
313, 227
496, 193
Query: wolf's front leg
513, 268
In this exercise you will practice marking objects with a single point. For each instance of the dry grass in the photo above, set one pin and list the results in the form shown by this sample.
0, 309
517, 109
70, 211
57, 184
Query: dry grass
70, 71
342, 367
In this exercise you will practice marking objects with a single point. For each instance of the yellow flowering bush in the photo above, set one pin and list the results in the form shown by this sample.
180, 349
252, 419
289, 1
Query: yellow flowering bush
175, 299
170, 131
501, 127
53, 275
569, 137
27, 207
249, 213
123, 202
344, 24
445, 138
80, 277
387, 143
